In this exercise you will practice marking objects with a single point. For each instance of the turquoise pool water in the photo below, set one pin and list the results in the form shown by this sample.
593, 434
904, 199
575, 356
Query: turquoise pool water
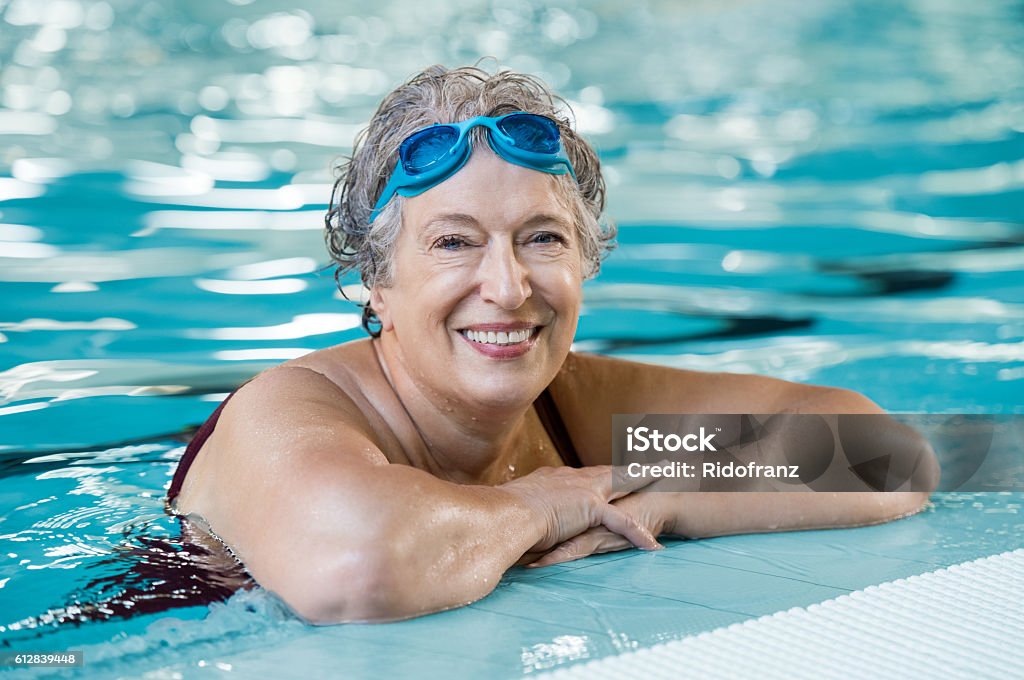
829, 192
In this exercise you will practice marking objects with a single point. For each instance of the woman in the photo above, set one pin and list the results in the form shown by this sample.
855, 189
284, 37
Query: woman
402, 474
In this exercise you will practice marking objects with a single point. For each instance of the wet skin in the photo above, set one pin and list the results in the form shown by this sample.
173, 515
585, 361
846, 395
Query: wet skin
388, 478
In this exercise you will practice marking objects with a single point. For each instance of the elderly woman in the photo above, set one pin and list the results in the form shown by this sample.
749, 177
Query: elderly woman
403, 474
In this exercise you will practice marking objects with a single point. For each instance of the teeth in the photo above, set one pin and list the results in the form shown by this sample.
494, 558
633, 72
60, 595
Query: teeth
500, 338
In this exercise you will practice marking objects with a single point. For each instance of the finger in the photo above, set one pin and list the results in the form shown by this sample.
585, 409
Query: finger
528, 559
591, 542
573, 549
623, 484
629, 528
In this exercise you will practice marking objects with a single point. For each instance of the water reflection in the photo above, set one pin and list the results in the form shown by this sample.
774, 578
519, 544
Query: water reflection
770, 177
768, 181
817, 191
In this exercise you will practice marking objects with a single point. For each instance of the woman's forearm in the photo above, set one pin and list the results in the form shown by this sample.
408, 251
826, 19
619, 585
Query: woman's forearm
704, 514
458, 554
433, 546
707, 514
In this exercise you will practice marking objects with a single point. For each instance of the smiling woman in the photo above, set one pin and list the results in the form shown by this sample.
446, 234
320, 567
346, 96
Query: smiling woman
405, 473
507, 262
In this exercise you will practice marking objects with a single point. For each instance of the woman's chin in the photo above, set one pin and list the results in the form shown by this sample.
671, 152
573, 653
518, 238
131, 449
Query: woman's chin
499, 393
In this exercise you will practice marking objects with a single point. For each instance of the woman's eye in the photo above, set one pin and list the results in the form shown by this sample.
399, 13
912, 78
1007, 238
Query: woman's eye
450, 242
548, 237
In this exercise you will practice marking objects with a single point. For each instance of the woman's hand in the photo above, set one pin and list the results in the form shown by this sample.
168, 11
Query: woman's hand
654, 511
569, 502
706, 514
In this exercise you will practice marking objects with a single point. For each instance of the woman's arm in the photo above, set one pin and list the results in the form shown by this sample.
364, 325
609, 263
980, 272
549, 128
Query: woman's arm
698, 515
704, 514
708, 514
590, 389
294, 483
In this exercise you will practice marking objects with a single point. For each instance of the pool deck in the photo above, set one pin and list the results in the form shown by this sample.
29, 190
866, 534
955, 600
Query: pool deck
537, 620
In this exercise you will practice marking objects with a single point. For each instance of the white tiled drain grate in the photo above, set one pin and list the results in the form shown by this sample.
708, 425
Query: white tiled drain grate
963, 621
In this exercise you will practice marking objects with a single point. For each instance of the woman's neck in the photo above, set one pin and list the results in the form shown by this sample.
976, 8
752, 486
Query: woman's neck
453, 440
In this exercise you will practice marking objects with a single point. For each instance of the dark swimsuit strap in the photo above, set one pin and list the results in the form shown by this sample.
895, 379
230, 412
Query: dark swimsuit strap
553, 424
547, 411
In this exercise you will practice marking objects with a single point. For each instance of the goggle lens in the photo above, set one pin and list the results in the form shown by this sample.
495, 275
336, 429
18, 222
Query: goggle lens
531, 132
426, 147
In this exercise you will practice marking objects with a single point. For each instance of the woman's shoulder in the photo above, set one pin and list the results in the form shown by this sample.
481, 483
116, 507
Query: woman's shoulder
293, 395
351, 367
592, 383
343, 382
593, 378
285, 413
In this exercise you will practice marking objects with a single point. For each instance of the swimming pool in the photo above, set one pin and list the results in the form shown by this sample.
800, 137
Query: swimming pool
823, 191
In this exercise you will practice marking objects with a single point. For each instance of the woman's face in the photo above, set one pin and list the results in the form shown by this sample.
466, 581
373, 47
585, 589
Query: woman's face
486, 285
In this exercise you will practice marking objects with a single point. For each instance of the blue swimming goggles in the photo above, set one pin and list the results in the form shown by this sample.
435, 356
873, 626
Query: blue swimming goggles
429, 156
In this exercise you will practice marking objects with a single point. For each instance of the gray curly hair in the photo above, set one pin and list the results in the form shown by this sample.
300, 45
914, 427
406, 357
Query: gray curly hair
441, 95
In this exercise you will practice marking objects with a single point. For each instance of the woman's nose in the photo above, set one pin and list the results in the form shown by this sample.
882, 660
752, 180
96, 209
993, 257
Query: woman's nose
505, 280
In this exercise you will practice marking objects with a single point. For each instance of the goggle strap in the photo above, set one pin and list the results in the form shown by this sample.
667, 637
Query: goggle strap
397, 177
501, 143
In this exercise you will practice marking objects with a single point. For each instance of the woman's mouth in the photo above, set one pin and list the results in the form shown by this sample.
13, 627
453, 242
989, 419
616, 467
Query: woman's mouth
501, 338
504, 344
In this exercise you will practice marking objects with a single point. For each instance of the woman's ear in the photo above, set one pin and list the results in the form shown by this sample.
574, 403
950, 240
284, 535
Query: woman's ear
378, 302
